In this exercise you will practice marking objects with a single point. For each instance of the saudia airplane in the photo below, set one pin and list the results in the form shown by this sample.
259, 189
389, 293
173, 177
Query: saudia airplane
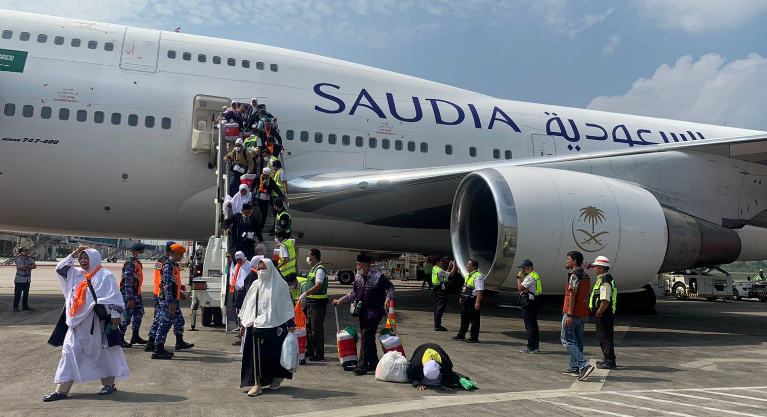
107, 130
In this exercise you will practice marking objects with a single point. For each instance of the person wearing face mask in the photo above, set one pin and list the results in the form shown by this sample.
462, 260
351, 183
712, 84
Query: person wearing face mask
375, 292
287, 258
242, 163
267, 192
316, 301
282, 220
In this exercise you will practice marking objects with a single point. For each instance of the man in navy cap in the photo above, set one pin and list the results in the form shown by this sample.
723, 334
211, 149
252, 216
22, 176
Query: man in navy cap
130, 287
529, 285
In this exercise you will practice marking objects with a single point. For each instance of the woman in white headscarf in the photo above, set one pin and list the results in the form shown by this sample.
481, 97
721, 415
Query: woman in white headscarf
86, 355
267, 314
233, 205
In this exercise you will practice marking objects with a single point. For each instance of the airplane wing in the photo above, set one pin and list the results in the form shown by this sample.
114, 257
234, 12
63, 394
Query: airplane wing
422, 198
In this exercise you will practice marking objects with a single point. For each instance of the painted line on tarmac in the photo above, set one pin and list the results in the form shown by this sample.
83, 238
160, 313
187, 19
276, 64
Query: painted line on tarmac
590, 385
653, 399
590, 410
695, 397
639, 407
735, 395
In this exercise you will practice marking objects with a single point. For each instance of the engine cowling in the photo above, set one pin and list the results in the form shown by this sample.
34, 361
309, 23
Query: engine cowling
501, 216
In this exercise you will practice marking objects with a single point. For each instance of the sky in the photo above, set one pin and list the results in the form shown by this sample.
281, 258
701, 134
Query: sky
694, 60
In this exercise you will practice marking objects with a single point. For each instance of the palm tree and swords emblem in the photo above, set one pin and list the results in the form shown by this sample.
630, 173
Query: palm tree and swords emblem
590, 241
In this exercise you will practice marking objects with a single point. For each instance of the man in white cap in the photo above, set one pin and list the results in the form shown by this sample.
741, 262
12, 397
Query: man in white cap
242, 163
603, 301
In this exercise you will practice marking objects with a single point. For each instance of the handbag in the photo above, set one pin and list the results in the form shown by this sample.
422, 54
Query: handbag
466, 293
99, 309
113, 335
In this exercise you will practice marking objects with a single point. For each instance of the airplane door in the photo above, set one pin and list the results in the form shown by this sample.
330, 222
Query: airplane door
140, 50
543, 145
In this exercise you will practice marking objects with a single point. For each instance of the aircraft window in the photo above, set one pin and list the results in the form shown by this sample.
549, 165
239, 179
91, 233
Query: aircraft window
117, 118
24, 36
186, 56
260, 66
58, 40
28, 111
42, 38
217, 60
448, 149
63, 114
398, 145
385, 143
245, 63
7, 34
318, 137
149, 121
202, 58
473, 152
359, 141
132, 120
424, 147
82, 115
274, 67
332, 139
109, 46
93, 44
497, 153
290, 135
46, 112
171, 54
10, 109
346, 140
165, 124
304, 136
372, 142
75, 42
98, 117
411, 146
231, 62
508, 154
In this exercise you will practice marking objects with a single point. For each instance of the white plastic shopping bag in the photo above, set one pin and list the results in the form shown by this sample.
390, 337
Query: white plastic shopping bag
289, 355
392, 368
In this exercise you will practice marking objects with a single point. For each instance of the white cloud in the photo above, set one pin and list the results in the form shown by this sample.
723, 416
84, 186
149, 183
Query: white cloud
612, 44
708, 90
560, 19
697, 16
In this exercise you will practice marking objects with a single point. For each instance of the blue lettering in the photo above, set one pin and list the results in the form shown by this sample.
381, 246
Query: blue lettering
475, 116
562, 132
393, 109
626, 135
505, 119
319, 92
372, 104
438, 115
604, 132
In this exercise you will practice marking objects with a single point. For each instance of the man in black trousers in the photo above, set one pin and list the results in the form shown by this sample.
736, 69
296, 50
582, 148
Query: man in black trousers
602, 301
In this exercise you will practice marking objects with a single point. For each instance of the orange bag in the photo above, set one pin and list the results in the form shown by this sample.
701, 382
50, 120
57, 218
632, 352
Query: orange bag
300, 317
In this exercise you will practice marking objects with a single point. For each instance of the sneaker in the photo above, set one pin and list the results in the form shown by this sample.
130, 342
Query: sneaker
571, 372
526, 350
28, 309
440, 329
108, 389
55, 396
456, 337
604, 365
585, 372
472, 340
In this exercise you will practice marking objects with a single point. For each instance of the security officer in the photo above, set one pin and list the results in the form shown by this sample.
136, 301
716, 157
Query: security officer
169, 288
177, 319
282, 220
157, 280
316, 301
471, 301
603, 302
439, 279
130, 287
529, 285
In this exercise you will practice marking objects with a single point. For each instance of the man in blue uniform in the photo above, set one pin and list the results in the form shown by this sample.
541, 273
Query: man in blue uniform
130, 287
168, 300
157, 279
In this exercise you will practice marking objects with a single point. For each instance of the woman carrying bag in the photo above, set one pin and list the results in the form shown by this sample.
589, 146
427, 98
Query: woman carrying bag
267, 314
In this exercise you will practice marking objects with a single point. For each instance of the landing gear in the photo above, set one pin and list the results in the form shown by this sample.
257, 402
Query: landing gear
642, 302
346, 277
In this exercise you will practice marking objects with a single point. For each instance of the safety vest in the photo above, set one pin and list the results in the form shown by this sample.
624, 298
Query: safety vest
594, 300
158, 273
276, 178
434, 277
471, 278
261, 188
290, 266
139, 271
323, 291
176, 274
280, 215
300, 289
538, 288
251, 142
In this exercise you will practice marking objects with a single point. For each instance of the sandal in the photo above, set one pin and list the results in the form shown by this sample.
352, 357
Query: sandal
108, 389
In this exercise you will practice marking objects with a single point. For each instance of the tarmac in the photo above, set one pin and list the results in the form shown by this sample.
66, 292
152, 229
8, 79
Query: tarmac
694, 358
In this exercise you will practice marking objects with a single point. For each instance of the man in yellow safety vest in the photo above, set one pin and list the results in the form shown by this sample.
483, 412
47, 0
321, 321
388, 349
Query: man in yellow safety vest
440, 279
316, 301
529, 285
471, 301
603, 301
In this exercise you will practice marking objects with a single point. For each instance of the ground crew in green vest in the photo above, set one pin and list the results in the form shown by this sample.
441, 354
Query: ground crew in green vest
440, 280
760, 276
471, 301
287, 260
282, 220
529, 285
297, 287
316, 301
603, 301
427, 268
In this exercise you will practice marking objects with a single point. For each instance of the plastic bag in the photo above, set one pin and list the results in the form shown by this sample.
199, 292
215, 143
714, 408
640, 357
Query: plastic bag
289, 355
300, 318
392, 368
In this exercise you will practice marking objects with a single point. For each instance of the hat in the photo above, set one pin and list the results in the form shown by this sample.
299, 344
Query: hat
267, 171
137, 247
364, 258
431, 370
168, 244
525, 263
601, 261
247, 206
176, 248
239, 141
239, 255
235, 104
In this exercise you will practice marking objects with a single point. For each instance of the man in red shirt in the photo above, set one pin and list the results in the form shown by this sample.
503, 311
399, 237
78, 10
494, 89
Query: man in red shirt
575, 314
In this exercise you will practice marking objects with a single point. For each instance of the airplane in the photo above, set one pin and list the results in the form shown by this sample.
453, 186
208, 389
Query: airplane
107, 130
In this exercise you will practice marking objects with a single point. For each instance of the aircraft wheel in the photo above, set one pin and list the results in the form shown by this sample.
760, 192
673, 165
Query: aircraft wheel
346, 277
680, 291
736, 295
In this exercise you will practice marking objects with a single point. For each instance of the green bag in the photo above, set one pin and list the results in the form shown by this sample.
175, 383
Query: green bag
468, 384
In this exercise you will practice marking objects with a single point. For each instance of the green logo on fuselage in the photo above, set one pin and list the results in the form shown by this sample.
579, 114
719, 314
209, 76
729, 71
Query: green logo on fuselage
12, 61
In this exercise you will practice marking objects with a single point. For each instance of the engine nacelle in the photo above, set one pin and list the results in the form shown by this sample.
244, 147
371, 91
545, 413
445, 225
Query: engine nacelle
502, 216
